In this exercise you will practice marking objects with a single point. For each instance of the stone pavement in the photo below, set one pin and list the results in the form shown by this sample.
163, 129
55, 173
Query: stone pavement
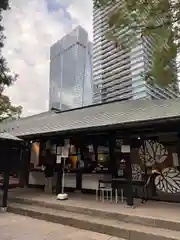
15, 227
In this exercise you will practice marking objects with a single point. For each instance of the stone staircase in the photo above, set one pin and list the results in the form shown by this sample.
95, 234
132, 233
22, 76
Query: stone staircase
128, 227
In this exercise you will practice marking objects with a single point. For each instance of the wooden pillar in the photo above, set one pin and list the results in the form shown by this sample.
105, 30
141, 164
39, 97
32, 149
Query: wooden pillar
58, 178
59, 167
129, 190
79, 171
6, 175
144, 152
27, 158
79, 151
95, 147
130, 200
112, 147
22, 167
178, 149
5, 189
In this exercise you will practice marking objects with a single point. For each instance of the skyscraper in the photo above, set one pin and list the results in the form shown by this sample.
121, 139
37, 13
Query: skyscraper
71, 71
118, 74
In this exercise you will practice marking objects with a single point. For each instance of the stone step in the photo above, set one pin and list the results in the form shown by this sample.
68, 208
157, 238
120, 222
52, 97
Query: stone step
105, 214
128, 231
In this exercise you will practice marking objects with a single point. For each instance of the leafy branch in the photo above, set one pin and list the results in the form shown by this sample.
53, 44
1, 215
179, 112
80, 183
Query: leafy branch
7, 110
132, 21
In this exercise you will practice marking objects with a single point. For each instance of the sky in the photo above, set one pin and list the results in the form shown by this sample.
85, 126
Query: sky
31, 27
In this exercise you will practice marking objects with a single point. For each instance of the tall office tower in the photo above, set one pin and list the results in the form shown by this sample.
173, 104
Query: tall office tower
118, 74
71, 71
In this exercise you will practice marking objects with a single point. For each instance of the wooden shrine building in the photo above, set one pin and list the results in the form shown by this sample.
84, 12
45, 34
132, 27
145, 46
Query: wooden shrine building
130, 143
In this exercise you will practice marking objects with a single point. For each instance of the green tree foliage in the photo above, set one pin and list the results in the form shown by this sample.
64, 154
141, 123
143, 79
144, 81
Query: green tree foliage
7, 110
129, 21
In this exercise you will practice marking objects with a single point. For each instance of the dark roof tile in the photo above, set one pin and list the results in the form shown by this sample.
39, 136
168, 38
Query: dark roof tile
95, 116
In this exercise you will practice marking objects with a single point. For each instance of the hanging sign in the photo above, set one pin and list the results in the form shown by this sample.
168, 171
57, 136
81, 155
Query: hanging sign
59, 150
65, 152
58, 159
125, 149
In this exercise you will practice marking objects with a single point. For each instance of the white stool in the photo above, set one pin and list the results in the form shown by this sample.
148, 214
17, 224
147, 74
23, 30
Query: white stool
105, 192
99, 194
122, 195
108, 191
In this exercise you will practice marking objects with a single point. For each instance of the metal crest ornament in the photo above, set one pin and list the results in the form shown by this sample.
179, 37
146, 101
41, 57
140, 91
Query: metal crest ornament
152, 152
136, 172
168, 181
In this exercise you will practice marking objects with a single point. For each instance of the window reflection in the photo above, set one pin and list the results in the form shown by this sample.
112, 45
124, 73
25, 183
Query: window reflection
89, 159
72, 160
103, 157
96, 156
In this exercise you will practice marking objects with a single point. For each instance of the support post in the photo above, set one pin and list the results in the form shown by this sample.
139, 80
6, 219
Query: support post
58, 178
5, 190
79, 149
27, 159
79, 173
6, 172
130, 200
59, 166
95, 147
112, 146
129, 190
22, 168
178, 150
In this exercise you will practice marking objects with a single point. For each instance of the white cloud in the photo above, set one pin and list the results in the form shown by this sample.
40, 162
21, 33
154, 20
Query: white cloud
30, 30
81, 13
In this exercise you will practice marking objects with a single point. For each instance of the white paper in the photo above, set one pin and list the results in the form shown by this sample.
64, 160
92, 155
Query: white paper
125, 149
59, 150
58, 159
65, 152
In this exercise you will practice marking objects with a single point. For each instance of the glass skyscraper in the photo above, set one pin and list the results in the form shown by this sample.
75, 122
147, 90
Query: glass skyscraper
118, 73
71, 71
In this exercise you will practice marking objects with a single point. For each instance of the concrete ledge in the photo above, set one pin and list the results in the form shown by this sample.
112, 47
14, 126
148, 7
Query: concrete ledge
71, 222
145, 221
110, 227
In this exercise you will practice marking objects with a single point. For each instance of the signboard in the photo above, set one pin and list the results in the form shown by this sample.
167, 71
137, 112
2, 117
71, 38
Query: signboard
65, 152
59, 150
58, 159
125, 149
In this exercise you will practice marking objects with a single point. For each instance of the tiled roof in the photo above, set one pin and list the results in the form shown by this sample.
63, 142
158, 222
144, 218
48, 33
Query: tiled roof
98, 115
8, 136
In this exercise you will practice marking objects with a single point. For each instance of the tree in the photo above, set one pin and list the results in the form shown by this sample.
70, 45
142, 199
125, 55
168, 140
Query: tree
157, 20
7, 110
